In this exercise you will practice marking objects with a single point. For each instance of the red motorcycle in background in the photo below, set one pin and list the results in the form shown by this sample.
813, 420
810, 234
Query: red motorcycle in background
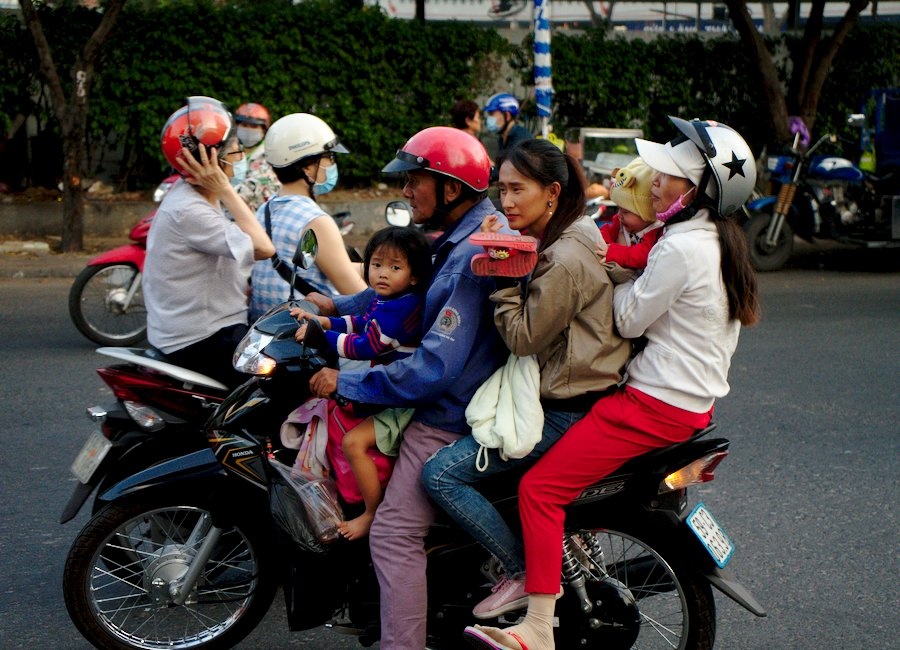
106, 302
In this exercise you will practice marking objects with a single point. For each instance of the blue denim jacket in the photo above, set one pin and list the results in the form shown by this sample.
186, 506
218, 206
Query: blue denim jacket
460, 347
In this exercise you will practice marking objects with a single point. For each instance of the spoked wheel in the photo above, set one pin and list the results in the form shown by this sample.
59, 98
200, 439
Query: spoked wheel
637, 598
107, 305
122, 578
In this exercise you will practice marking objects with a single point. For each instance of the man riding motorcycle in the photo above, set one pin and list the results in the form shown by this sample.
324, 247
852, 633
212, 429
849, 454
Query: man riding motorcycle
446, 172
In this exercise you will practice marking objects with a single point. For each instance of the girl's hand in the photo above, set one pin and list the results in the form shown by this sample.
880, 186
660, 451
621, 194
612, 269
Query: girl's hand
602, 248
206, 172
300, 334
301, 314
490, 224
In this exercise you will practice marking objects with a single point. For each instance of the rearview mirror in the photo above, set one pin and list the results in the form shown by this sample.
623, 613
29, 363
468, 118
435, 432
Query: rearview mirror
307, 248
398, 213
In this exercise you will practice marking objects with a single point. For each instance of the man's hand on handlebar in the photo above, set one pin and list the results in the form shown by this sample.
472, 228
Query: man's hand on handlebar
324, 383
324, 303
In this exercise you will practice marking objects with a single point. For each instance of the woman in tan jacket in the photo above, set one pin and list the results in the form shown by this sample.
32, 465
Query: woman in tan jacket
563, 315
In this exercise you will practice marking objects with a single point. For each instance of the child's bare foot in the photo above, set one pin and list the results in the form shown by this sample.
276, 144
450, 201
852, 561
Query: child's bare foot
356, 528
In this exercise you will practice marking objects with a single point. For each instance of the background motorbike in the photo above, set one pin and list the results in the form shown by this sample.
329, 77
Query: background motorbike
825, 197
189, 552
106, 302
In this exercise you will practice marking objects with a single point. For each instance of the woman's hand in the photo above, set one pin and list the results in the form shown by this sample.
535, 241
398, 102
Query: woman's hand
491, 224
602, 248
206, 172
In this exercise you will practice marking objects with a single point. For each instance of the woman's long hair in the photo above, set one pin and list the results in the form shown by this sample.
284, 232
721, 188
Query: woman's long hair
737, 273
543, 162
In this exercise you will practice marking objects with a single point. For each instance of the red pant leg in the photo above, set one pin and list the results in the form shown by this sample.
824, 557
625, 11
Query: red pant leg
618, 428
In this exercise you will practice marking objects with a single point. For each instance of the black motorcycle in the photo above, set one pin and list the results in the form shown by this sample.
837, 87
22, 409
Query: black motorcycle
189, 553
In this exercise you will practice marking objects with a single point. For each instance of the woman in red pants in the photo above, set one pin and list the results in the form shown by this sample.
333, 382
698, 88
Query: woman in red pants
696, 292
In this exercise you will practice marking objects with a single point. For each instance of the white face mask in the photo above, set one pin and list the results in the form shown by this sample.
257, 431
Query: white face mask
249, 137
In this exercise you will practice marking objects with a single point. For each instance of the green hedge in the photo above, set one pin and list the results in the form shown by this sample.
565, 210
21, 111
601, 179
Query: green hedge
378, 80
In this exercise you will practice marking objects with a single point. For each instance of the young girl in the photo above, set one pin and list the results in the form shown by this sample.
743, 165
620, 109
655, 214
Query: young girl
696, 292
564, 316
398, 263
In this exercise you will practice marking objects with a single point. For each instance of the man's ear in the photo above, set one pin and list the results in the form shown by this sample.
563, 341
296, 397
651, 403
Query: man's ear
452, 189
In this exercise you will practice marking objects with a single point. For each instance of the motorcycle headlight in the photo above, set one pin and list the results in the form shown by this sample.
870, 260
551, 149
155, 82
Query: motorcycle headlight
248, 356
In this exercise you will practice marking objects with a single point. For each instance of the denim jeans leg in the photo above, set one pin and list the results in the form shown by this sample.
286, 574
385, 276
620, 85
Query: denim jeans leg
449, 476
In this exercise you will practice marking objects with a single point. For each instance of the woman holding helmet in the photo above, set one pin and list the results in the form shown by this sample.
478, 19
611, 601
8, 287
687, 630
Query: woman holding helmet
301, 149
198, 260
696, 292
254, 179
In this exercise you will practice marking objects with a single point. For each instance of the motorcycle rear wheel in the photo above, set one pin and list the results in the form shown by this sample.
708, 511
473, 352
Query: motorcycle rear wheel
764, 257
96, 305
117, 572
640, 599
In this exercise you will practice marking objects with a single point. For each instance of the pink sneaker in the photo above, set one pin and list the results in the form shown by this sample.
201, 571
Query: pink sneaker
506, 596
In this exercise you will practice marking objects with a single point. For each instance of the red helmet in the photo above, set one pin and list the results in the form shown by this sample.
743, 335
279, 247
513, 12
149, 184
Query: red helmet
203, 120
446, 151
253, 114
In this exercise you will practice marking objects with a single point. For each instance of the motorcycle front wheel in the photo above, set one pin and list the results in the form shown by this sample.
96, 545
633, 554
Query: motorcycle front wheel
763, 256
638, 598
121, 569
100, 307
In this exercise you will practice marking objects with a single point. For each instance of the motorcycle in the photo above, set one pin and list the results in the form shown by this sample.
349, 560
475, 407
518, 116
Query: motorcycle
189, 552
824, 197
106, 303
158, 413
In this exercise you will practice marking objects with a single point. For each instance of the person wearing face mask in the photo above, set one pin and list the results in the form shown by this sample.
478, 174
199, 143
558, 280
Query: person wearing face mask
254, 179
501, 113
696, 292
198, 260
301, 150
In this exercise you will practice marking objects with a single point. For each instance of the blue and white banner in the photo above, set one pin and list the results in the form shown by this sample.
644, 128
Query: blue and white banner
543, 77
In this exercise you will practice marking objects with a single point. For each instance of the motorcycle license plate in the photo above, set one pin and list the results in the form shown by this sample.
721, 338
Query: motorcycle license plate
711, 535
90, 456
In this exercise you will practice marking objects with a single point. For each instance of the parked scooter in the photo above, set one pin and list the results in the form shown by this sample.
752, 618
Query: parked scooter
188, 553
106, 302
823, 197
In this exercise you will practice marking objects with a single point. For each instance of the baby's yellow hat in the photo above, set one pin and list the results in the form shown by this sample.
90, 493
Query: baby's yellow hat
630, 189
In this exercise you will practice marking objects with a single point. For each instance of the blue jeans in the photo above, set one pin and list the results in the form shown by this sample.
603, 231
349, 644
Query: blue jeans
449, 476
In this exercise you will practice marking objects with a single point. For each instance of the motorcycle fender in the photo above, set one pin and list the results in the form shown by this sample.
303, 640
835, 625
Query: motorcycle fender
725, 581
127, 254
79, 496
175, 472
722, 579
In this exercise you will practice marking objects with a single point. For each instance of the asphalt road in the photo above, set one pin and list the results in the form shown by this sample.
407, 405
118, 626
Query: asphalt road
808, 492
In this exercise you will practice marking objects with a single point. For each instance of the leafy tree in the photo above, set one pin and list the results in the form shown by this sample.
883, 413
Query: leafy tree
71, 109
